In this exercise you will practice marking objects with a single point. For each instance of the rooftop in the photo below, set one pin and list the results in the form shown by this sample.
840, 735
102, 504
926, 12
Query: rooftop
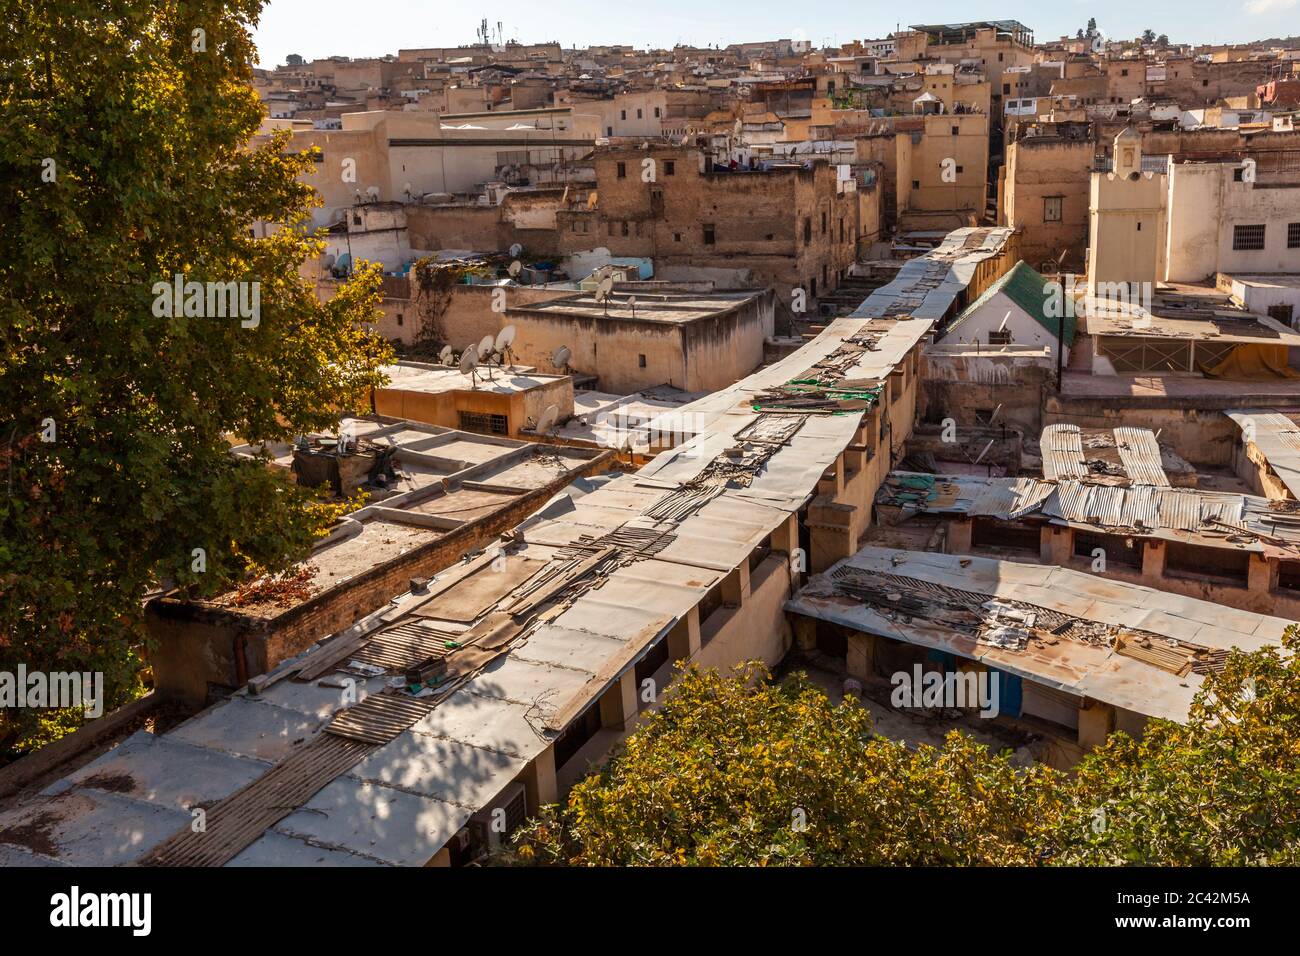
672, 308
1090, 636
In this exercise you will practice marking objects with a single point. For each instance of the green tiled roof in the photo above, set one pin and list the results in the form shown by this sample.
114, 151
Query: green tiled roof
1029, 290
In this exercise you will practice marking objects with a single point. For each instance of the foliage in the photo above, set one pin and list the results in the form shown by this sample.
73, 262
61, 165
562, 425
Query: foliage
720, 774
124, 160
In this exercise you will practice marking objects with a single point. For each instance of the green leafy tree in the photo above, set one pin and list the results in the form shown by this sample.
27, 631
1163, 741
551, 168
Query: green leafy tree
124, 162
1148, 36
739, 771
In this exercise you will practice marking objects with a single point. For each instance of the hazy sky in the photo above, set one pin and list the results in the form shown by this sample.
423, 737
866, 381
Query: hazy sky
358, 28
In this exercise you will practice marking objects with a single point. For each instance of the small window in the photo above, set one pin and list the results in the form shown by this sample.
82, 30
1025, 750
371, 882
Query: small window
956, 131
961, 169
916, 184
1006, 88
1293, 235
1205, 82
622, 170
609, 131
640, 361
1123, 72
399, 319
1052, 208
625, 227
1239, 175
677, 237
622, 114
1000, 338
670, 167
708, 233
823, 223
656, 112
807, 229
638, 114
1248, 238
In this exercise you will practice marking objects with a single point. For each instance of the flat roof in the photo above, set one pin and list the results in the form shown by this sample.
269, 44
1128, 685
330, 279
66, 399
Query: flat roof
420, 377
1088, 632
672, 308
927, 286
589, 584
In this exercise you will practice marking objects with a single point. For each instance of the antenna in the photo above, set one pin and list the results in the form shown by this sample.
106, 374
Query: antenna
547, 422
484, 351
468, 363
560, 357
506, 338
603, 289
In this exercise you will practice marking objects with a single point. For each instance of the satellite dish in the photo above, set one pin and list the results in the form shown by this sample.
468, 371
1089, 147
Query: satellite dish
446, 355
631, 301
515, 268
468, 360
548, 420
560, 358
603, 289
485, 346
516, 249
505, 338
327, 260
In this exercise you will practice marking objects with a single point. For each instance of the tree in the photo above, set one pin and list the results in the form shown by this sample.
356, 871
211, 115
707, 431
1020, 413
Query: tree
123, 164
1092, 26
1148, 37
740, 771
1162, 41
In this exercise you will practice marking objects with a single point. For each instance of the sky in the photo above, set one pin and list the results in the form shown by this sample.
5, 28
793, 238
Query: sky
361, 28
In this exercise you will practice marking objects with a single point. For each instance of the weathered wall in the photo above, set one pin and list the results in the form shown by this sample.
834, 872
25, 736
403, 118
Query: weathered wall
1041, 167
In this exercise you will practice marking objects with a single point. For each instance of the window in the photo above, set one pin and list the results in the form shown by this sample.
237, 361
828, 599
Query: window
961, 169
609, 131
1205, 82
956, 131
656, 112
622, 114
624, 227
622, 170
638, 114
677, 237
830, 87
708, 233
1248, 238
670, 167
484, 424
1052, 208
399, 320
999, 57
1006, 88
823, 223
916, 184
1239, 175
1123, 72
640, 361
807, 229
1000, 338
1293, 235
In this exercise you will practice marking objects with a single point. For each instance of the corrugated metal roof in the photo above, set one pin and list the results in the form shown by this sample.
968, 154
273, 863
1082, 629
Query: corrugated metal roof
1140, 453
1278, 439
1062, 449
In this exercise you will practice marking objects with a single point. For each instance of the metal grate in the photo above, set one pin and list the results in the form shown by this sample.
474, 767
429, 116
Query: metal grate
400, 647
1248, 238
236, 822
379, 718
1293, 235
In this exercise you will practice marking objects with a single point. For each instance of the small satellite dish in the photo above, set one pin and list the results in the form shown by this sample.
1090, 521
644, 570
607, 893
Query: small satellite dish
505, 338
604, 288
560, 358
327, 260
631, 301
516, 249
485, 346
446, 355
547, 421
515, 268
468, 360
